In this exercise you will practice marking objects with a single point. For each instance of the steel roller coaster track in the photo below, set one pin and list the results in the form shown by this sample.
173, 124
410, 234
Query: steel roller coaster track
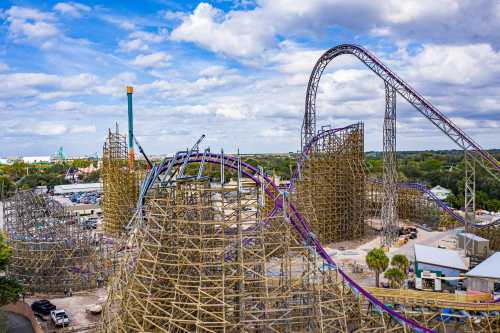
165, 170
173, 165
271, 189
429, 111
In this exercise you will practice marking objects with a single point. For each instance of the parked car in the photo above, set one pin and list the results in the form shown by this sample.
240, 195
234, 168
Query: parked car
59, 317
43, 307
90, 223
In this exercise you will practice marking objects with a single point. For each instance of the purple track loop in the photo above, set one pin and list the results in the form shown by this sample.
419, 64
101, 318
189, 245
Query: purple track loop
300, 225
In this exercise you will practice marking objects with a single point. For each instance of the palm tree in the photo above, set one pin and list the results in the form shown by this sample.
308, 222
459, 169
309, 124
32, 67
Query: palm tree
395, 277
400, 261
377, 261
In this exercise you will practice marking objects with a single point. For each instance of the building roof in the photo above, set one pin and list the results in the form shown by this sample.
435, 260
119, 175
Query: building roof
488, 268
73, 188
440, 188
438, 257
474, 237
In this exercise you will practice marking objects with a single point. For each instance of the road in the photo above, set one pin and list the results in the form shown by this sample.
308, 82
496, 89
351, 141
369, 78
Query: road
424, 238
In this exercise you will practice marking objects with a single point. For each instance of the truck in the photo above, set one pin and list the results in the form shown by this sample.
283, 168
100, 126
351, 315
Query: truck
59, 317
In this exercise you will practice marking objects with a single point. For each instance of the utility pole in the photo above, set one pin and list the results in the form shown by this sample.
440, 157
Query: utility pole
131, 155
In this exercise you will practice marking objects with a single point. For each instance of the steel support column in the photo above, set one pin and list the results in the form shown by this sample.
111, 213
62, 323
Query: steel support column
389, 205
469, 191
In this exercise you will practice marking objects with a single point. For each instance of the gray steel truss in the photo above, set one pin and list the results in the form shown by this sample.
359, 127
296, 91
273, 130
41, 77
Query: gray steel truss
480, 156
389, 214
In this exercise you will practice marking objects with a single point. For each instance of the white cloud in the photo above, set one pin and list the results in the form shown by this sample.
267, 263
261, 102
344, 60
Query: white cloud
3, 67
66, 105
236, 112
236, 33
474, 64
30, 23
37, 84
116, 86
47, 128
247, 33
120, 22
73, 9
83, 129
139, 40
153, 60
133, 45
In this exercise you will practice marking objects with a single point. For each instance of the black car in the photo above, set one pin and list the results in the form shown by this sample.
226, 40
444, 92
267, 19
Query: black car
43, 307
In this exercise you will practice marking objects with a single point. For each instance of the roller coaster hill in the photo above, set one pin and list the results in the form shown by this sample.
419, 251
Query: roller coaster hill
208, 255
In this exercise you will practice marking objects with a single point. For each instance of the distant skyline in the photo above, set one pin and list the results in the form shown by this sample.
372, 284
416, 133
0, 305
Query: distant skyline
237, 71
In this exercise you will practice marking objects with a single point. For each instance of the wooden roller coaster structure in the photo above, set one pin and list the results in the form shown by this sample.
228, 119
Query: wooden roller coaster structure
209, 257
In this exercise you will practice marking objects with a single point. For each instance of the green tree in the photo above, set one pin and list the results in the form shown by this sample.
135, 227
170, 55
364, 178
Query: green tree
92, 177
395, 277
400, 261
10, 289
6, 185
377, 261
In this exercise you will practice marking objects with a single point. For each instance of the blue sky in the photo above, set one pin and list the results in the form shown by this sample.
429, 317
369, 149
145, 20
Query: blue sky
237, 71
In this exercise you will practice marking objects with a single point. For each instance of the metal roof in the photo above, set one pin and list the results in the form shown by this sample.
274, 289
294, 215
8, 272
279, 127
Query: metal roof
474, 237
488, 268
439, 257
73, 188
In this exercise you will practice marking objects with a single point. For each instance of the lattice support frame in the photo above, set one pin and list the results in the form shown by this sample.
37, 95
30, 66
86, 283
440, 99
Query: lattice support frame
120, 184
389, 214
52, 252
330, 191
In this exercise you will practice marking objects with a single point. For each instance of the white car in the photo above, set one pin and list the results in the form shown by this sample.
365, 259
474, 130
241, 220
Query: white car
59, 317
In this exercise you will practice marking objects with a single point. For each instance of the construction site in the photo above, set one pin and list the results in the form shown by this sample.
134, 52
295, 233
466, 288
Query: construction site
182, 250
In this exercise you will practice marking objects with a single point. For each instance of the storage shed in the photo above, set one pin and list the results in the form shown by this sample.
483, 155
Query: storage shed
476, 246
485, 277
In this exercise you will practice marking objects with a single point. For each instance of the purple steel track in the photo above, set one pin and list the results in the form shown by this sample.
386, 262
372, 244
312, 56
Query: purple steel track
299, 223
488, 162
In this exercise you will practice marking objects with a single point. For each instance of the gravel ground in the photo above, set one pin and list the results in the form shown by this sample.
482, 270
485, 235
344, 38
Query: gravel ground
75, 306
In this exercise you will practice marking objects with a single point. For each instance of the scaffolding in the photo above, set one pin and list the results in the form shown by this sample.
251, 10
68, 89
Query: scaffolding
490, 232
206, 257
120, 184
331, 186
52, 252
205, 262
412, 205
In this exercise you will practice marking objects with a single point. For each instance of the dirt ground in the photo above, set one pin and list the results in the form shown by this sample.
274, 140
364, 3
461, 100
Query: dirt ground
350, 255
75, 306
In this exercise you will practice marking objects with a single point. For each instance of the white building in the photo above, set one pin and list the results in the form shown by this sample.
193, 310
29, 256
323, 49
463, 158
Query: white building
5, 161
440, 192
77, 188
485, 277
437, 269
36, 159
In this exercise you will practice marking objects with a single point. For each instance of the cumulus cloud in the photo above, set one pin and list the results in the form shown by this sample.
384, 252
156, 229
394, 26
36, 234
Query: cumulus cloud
236, 33
83, 129
244, 33
36, 84
73, 9
474, 64
120, 22
140, 40
29, 23
47, 128
66, 105
254, 89
152, 60
116, 85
